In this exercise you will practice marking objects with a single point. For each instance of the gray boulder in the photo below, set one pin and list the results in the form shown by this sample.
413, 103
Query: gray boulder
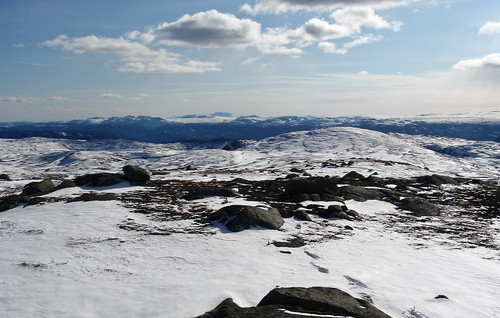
102, 179
136, 174
38, 188
352, 176
240, 217
314, 188
419, 207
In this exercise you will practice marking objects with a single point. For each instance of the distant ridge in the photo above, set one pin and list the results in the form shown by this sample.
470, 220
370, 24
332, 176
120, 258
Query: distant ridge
221, 126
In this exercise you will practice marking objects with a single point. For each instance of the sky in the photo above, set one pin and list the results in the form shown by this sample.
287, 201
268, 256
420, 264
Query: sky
62, 60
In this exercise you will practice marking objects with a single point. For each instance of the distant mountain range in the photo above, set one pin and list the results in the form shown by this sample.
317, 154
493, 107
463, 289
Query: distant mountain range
221, 126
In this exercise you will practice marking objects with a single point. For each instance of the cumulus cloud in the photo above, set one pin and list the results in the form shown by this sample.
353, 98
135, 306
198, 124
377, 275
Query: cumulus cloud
491, 61
211, 29
278, 6
357, 17
136, 56
490, 28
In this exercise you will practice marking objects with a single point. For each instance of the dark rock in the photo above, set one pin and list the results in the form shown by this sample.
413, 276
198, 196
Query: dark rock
339, 212
9, 202
352, 176
94, 196
314, 188
441, 297
291, 176
38, 188
240, 217
209, 192
66, 184
5, 177
362, 194
302, 215
321, 300
419, 207
102, 179
136, 174
295, 242
234, 145
296, 170
348, 228
285, 252
36, 200
436, 179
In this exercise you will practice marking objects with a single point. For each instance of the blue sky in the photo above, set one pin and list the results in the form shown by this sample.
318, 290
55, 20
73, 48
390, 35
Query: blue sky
62, 60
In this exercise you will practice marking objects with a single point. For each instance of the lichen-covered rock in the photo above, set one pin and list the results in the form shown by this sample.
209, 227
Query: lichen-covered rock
241, 217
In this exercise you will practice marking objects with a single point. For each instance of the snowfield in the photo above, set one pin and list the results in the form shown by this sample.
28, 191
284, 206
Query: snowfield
73, 259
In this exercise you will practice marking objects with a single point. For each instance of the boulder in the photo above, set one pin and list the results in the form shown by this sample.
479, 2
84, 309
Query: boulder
437, 179
300, 302
338, 211
240, 217
419, 207
38, 188
66, 184
136, 174
102, 179
5, 177
94, 196
302, 215
8, 202
352, 176
321, 301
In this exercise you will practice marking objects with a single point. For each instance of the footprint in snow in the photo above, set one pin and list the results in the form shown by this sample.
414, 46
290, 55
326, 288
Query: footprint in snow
312, 255
354, 281
321, 269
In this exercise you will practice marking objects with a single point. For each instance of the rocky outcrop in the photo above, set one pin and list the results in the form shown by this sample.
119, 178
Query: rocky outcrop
38, 188
363, 194
209, 192
240, 217
314, 189
9, 202
300, 302
5, 177
136, 174
353, 176
436, 179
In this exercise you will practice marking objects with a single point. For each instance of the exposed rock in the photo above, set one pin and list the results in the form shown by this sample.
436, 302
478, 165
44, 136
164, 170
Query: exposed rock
419, 207
5, 177
314, 188
362, 194
441, 297
94, 196
102, 179
338, 211
295, 242
436, 179
8, 202
302, 215
240, 217
353, 175
38, 188
321, 300
36, 200
136, 174
208, 192
66, 184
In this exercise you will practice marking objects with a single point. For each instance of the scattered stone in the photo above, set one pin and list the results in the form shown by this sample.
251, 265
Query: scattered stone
240, 217
348, 228
102, 179
362, 194
136, 174
5, 177
8, 202
38, 188
285, 252
302, 215
210, 192
294, 242
441, 297
419, 207
313, 188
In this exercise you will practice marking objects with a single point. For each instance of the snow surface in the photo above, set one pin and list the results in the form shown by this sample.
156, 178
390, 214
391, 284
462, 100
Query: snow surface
72, 259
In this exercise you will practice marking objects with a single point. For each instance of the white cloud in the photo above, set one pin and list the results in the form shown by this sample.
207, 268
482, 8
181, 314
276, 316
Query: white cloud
58, 98
251, 60
364, 73
136, 56
357, 17
211, 29
19, 45
279, 6
16, 99
111, 95
491, 61
490, 28
329, 47
144, 95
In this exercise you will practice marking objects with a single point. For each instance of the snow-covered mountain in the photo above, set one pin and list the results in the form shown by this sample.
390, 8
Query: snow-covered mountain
148, 249
211, 127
